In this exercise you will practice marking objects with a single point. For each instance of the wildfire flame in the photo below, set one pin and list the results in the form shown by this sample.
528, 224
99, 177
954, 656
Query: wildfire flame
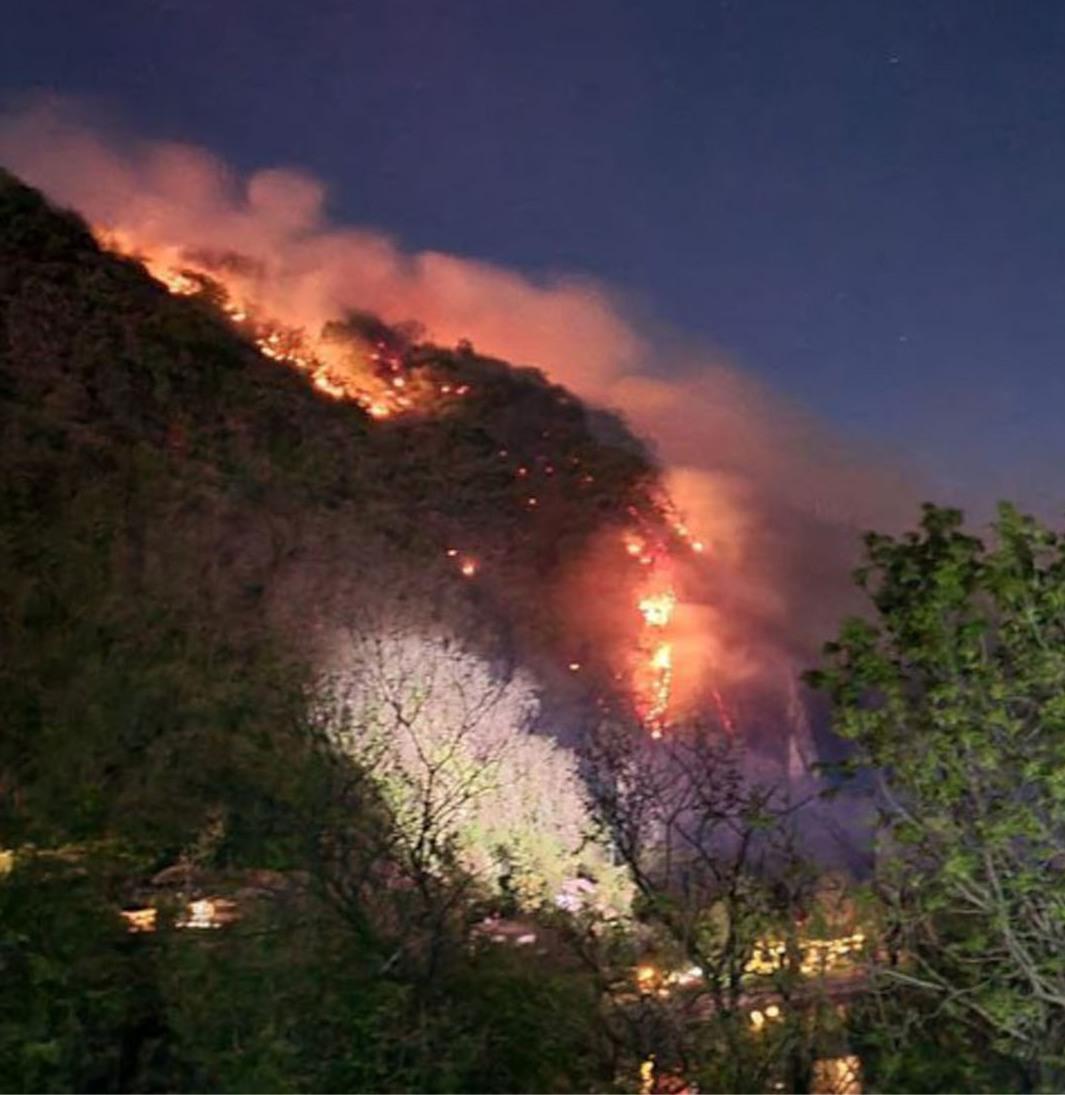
653, 675
657, 608
376, 383
383, 385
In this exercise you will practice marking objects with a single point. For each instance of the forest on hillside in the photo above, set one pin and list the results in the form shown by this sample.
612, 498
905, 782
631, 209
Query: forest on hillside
311, 778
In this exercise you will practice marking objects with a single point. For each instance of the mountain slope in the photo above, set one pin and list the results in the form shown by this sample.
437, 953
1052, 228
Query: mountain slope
181, 515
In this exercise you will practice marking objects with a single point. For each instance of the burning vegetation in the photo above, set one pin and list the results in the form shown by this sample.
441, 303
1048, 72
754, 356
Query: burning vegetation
198, 500
395, 380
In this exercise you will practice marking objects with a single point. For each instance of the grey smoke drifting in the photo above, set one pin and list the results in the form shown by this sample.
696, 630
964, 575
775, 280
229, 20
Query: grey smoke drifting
778, 500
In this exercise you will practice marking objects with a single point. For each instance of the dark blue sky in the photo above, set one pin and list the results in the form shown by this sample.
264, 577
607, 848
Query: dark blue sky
861, 200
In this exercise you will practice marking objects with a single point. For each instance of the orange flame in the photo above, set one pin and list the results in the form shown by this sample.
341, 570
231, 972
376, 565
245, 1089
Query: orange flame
383, 385
657, 608
653, 674
379, 396
660, 688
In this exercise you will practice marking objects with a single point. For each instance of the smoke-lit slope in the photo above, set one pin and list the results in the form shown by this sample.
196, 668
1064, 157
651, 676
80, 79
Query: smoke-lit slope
152, 454
778, 500
570, 477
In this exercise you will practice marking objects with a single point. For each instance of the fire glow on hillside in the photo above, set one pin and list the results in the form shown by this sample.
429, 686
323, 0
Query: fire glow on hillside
379, 380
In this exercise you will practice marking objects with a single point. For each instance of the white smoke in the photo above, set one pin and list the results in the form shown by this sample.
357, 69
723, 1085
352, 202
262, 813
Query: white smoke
778, 499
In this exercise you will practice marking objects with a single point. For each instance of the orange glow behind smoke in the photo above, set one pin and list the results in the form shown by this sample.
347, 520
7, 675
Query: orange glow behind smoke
768, 491
382, 384
372, 379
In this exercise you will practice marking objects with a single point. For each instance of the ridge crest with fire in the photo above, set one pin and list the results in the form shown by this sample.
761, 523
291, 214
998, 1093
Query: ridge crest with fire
393, 378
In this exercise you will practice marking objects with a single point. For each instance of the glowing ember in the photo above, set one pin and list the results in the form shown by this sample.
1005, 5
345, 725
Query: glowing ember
324, 384
657, 608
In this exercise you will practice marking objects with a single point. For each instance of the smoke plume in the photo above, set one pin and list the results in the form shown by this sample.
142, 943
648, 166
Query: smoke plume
778, 501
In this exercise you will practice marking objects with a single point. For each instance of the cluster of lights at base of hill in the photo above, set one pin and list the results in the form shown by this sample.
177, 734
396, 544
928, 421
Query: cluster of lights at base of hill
385, 387
205, 913
816, 957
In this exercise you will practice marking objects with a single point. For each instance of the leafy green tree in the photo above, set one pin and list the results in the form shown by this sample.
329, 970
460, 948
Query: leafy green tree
953, 694
721, 889
68, 990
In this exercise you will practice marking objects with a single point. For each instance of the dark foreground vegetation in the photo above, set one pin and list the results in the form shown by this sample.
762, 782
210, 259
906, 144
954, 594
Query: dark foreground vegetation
274, 816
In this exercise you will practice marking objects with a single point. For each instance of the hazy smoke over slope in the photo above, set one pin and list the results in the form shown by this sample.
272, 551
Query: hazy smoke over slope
777, 500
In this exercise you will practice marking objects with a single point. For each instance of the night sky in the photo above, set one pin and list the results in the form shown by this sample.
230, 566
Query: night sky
860, 201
